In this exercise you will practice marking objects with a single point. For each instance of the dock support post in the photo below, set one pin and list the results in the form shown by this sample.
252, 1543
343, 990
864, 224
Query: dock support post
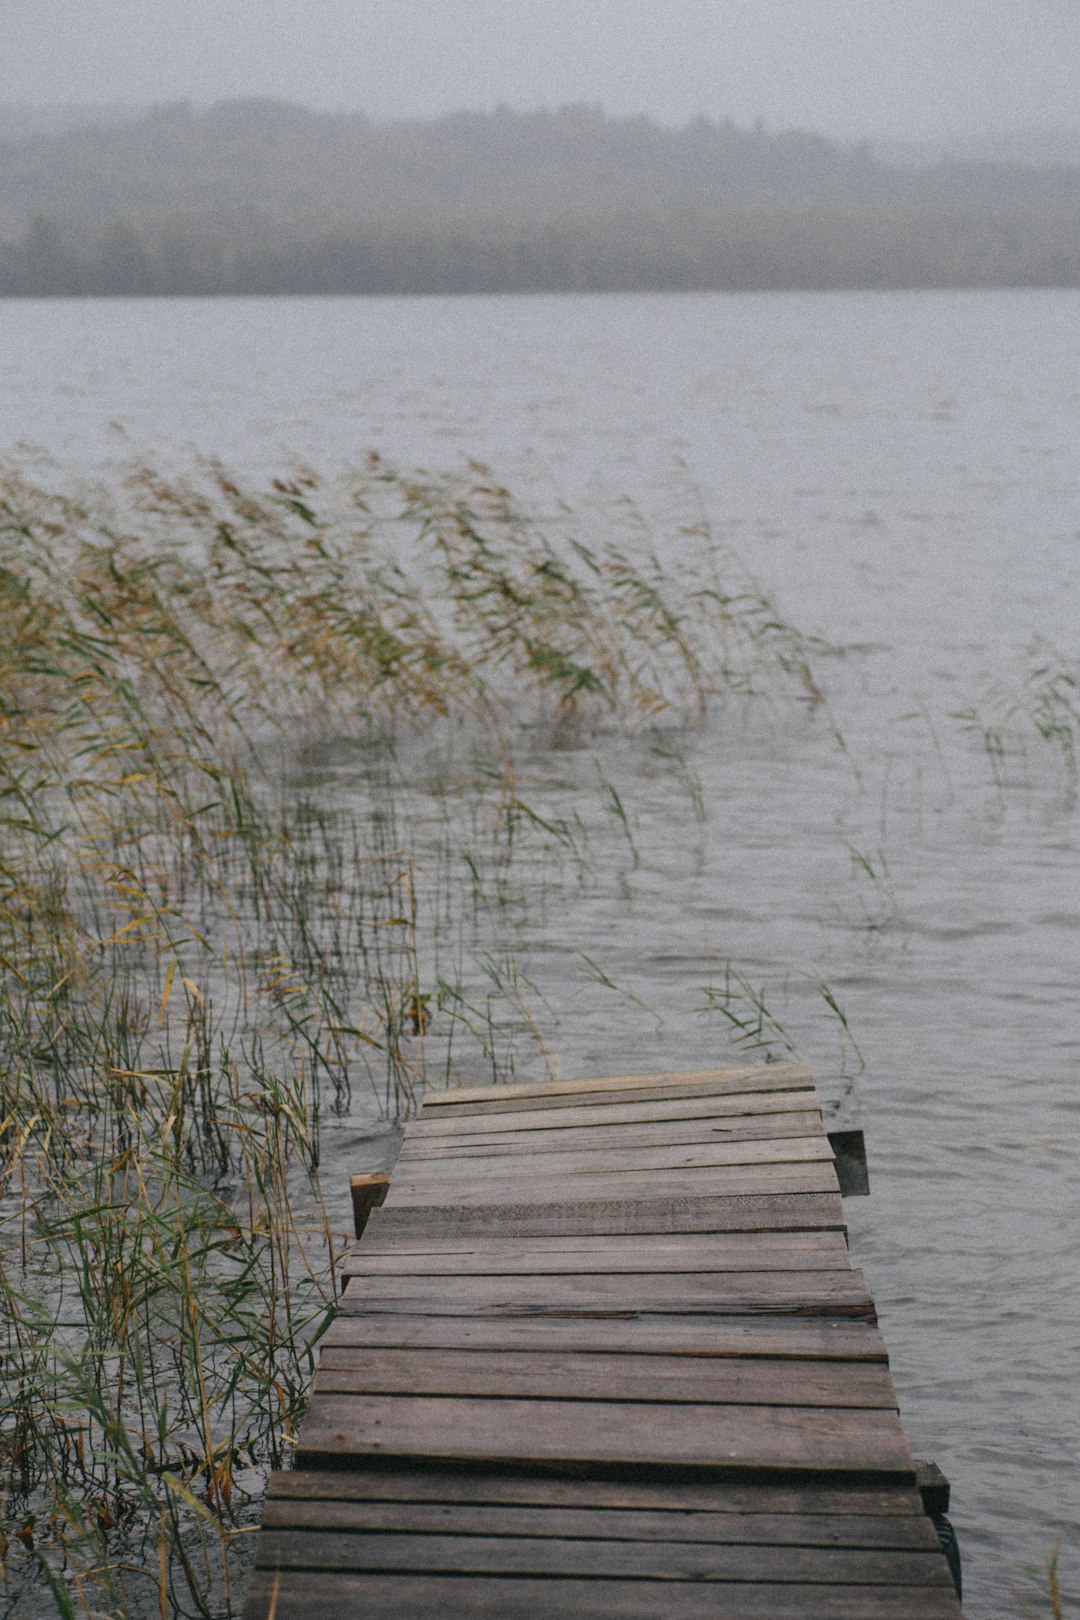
368, 1192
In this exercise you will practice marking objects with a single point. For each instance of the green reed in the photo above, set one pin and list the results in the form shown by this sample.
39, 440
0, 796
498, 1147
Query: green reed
1046, 1582
1038, 707
199, 959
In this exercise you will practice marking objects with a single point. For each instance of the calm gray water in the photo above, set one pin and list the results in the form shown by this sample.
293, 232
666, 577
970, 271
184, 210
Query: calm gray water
903, 472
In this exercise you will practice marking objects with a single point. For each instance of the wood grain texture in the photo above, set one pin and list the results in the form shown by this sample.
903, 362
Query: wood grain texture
602, 1353
707, 1337
819, 1293
628, 1107
566, 1375
563, 1107
382, 1484
616, 1132
641, 1560
910, 1532
611, 1159
417, 1597
711, 1212
608, 1433
746, 1251
772, 1074
418, 1191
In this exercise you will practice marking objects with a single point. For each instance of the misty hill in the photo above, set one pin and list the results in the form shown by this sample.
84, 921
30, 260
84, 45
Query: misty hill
269, 197
20, 119
1039, 147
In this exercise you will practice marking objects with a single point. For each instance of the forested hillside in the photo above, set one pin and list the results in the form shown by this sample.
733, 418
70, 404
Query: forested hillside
266, 197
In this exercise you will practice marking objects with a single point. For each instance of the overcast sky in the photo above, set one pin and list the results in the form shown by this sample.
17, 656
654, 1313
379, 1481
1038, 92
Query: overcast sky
909, 69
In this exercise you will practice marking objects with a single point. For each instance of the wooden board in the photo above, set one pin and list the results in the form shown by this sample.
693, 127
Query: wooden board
646, 1559
313, 1596
562, 1106
616, 1160
820, 1293
606, 1433
565, 1375
768, 1074
910, 1532
617, 1133
602, 1353
795, 1337
417, 1190
627, 1108
715, 1212
821, 1498
744, 1251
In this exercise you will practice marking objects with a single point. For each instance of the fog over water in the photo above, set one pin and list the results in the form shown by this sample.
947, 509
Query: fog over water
848, 68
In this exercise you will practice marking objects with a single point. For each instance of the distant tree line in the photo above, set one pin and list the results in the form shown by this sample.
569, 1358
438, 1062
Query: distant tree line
265, 198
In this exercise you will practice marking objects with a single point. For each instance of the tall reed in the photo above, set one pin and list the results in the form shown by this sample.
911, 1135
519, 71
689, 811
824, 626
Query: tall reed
200, 954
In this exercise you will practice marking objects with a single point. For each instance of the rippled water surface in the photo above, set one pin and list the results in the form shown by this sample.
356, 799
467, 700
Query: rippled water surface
903, 473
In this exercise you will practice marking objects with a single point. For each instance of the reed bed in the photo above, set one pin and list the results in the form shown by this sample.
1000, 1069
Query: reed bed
1036, 707
202, 955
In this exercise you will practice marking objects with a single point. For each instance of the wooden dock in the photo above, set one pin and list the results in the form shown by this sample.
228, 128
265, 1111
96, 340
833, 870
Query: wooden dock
602, 1353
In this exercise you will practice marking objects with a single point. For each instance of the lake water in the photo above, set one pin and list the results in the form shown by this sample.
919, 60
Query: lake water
903, 472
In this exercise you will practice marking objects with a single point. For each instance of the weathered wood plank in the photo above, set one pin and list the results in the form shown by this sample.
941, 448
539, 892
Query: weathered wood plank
793, 1337
562, 1374
607, 1433
839, 1293
912, 1532
417, 1191
769, 1074
617, 1133
603, 1354
616, 1160
629, 1107
817, 1498
368, 1192
727, 1251
740, 1212
510, 1110
346, 1597
642, 1560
